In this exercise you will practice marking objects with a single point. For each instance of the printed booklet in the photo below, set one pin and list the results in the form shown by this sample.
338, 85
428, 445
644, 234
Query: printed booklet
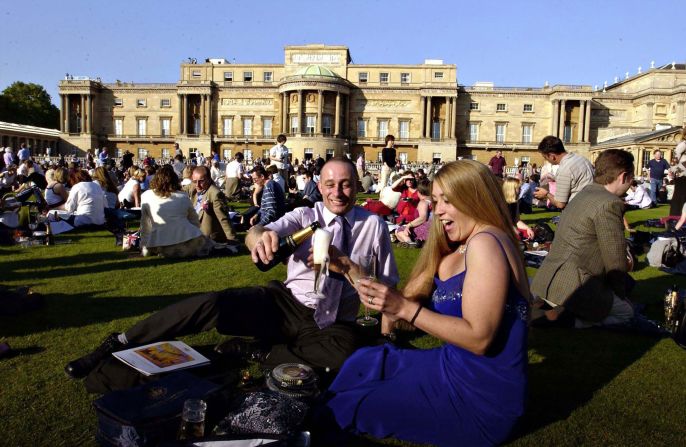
161, 357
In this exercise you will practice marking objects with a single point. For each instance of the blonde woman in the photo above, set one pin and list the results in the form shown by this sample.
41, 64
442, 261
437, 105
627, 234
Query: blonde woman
130, 195
56, 192
511, 188
468, 289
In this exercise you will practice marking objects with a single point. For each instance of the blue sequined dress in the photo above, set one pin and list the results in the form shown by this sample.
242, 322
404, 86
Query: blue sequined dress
445, 396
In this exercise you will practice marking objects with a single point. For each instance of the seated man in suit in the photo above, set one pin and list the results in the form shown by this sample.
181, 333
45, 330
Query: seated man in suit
210, 204
291, 325
585, 273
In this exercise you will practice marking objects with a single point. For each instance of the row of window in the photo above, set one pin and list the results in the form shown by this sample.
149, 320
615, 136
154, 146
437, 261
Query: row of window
142, 126
311, 124
363, 77
267, 76
165, 103
501, 107
227, 126
385, 77
500, 130
382, 128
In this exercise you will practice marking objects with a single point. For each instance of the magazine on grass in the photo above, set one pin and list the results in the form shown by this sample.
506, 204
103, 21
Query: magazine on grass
161, 357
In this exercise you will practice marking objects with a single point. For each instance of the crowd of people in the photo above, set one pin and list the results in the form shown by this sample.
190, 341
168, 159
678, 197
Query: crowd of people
467, 216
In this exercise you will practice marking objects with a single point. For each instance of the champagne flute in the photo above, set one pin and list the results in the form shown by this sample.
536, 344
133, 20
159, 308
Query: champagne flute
321, 240
367, 265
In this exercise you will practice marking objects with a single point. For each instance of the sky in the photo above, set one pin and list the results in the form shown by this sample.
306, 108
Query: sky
511, 43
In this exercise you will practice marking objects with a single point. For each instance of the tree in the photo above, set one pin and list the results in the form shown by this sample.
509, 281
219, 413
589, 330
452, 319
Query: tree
30, 104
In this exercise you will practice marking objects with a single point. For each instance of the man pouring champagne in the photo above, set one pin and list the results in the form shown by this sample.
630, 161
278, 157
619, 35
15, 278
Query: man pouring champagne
290, 326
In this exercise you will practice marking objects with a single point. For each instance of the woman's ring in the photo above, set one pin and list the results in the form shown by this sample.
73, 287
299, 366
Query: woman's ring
371, 301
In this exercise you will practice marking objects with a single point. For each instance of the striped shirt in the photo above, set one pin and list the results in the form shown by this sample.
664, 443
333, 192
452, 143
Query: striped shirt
575, 173
273, 203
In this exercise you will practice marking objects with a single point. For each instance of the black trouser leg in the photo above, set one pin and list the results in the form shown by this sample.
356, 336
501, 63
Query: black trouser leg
190, 316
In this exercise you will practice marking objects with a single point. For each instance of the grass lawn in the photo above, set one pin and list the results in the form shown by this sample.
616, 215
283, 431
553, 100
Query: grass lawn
587, 387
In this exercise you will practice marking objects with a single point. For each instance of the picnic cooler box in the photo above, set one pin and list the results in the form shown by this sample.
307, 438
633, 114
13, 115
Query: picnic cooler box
151, 413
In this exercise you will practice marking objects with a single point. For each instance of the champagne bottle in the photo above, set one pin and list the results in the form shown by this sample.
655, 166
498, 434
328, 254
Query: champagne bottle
49, 237
287, 246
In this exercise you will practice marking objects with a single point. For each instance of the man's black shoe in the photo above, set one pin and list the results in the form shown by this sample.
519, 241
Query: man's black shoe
242, 349
81, 367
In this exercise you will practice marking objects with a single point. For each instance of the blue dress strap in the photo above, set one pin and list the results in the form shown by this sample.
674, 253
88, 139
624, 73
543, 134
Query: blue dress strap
502, 250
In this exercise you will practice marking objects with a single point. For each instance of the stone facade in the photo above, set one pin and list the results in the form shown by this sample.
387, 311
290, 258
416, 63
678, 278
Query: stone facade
327, 105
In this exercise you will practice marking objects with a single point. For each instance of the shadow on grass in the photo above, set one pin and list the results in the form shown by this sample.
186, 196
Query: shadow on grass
568, 366
31, 350
63, 311
79, 264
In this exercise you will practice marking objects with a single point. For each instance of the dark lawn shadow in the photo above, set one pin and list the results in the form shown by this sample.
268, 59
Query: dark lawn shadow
63, 311
80, 264
575, 363
31, 350
573, 366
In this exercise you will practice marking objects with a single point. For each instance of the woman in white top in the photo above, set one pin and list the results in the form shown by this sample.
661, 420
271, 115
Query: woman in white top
130, 195
56, 192
169, 224
637, 197
217, 174
86, 201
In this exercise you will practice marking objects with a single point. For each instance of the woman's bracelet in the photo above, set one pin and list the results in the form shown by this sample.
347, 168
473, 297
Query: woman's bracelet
419, 309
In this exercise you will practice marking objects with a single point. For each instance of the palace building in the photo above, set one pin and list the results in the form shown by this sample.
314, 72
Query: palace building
327, 105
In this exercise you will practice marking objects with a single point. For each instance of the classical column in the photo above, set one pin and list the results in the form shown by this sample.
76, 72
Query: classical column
582, 109
587, 121
208, 117
347, 116
287, 126
453, 126
82, 109
680, 113
180, 115
185, 114
282, 104
320, 100
556, 117
446, 122
563, 115
337, 117
301, 109
89, 107
282, 98
427, 124
61, 114
202, 114
67, 113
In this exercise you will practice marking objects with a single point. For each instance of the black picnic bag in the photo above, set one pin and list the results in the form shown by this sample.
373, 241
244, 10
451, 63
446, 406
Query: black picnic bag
148, 414
543, 233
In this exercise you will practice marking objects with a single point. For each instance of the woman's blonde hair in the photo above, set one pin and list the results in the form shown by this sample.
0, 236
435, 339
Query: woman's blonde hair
473, 190
187, 172
61, 175
511, 189
100, 174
